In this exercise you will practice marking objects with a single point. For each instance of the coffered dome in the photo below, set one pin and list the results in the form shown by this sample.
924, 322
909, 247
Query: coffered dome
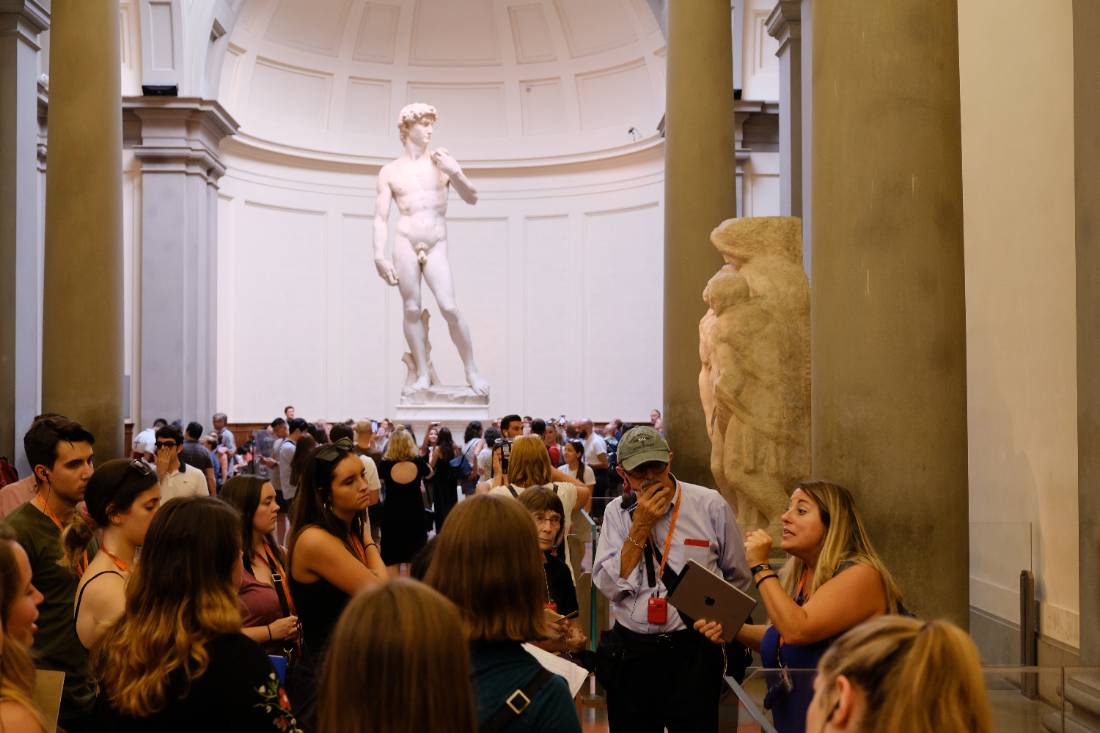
516, 82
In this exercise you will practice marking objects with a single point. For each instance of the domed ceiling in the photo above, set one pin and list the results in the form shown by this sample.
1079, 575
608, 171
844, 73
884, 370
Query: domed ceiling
515, 81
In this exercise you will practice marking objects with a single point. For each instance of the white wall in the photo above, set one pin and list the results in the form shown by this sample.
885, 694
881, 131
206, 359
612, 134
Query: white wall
1017, 135
558, 273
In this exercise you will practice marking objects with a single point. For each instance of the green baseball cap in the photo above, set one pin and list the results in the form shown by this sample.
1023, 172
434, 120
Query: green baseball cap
640, 445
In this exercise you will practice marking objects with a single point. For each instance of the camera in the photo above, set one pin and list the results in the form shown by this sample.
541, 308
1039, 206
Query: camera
505, 446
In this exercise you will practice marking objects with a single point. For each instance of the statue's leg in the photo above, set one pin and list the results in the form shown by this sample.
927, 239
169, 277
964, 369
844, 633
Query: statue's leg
437, 272
408, 273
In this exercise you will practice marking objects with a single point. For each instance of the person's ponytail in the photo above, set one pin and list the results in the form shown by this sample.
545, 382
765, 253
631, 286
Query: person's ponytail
917, 677
75, 539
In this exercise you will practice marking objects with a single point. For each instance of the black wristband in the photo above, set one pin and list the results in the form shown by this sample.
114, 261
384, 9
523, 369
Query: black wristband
758, 568
761, 581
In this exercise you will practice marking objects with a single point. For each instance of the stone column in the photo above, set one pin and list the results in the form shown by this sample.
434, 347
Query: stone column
176, 142
699, 195
785, 25
82, 339
21, 22
1086, 114
888, 317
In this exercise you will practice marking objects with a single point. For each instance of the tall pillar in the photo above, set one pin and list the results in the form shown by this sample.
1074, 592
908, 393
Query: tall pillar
888, 318
785, 25
699, 195
82, 339
21, 22
1086, 124
176, 142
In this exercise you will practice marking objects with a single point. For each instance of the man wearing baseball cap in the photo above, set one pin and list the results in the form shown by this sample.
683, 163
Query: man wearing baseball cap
658, 672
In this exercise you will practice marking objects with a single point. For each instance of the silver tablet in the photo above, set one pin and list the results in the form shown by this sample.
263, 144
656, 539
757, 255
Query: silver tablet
702, 594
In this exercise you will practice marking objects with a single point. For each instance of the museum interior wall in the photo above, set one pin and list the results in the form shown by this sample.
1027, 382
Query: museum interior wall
553, 110
537, 99
1018, 158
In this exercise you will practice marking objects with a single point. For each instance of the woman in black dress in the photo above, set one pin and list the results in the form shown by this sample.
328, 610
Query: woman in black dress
444, 477
403, 528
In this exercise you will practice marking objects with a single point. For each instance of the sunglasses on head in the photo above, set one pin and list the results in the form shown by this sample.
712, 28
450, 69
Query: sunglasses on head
141, 467
334, 451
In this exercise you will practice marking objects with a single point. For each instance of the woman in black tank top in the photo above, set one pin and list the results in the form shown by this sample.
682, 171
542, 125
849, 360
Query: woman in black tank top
331, 557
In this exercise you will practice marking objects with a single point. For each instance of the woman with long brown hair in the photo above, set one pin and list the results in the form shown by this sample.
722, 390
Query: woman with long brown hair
19, 601
390, 640
267, 606
331, 557
177, 657
899, 675
487, 562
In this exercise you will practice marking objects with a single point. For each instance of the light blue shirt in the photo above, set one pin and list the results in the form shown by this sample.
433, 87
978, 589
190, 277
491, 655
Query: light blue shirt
704, 517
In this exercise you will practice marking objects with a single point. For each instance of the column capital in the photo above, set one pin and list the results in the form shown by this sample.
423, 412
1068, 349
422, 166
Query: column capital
784, 24
25, 19
177, 133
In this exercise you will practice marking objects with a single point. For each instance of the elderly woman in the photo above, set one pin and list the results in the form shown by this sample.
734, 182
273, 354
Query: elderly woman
832, 581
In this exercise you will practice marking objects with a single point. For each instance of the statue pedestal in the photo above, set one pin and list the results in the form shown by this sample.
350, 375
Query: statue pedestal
449, 404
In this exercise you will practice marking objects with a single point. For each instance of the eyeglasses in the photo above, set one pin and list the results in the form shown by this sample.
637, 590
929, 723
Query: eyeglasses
167, 444
333, 451
552, 519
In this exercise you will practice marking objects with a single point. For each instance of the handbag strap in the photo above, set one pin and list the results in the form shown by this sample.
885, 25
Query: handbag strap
517, 702
278, 580
515, 494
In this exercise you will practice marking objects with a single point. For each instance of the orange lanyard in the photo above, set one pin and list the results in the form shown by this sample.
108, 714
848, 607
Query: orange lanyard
276, 568
360, 549
801, 588
671, 529
119, 562
41, 504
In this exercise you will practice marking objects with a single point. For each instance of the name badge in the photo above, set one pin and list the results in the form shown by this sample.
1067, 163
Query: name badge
658, 611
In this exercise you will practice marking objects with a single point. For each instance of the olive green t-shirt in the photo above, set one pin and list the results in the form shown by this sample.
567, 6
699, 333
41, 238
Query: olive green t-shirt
56, 645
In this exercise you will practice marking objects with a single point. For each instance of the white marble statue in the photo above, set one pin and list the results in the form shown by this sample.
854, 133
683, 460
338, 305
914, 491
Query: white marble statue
417, 182
754, 344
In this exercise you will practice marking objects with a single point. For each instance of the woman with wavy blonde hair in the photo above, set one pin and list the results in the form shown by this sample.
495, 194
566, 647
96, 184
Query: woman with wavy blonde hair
177, 655
19, 601
832, 581
391, 640
404, 523
899, 675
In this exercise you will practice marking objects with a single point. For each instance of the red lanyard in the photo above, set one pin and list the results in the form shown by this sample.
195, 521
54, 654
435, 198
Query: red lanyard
41, 504
671, 528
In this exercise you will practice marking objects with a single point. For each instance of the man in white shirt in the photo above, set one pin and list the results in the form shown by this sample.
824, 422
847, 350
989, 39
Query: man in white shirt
143, 442
595, 455
285, 489
176, 478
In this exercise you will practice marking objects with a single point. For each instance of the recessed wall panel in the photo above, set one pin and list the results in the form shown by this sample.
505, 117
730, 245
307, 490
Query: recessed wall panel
465, 110
273, 84
377, 38
623, 264
618, 97
531, 34
278, 251
316, 26
543, 106
450, 33
367, 108
591, 27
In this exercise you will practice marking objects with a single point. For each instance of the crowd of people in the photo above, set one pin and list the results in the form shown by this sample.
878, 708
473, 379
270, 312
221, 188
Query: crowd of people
347, 577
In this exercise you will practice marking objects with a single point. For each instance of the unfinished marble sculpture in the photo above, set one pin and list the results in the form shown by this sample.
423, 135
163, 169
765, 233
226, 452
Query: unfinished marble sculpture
754, 344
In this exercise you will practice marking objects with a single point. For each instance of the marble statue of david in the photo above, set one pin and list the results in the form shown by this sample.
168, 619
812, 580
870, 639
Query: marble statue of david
417, 182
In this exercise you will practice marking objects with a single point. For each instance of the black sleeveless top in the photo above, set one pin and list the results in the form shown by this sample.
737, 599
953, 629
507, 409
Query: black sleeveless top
319, 605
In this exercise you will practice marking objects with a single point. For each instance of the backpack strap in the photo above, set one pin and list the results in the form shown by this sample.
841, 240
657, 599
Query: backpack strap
515, 494
517, 702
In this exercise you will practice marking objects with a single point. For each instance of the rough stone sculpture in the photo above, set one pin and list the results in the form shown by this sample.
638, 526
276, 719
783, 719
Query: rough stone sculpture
754, 344
417, 182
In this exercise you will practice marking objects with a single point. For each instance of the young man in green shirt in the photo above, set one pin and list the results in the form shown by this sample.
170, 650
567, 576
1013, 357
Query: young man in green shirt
60, 453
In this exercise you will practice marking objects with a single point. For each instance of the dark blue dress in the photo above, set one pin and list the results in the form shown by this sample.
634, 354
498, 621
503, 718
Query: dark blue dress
789, 708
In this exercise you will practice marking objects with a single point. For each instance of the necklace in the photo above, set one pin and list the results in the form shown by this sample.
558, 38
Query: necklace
549, 597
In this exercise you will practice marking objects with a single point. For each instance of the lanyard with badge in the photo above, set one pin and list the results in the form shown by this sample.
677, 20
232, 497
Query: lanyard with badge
40, 502
657, 608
